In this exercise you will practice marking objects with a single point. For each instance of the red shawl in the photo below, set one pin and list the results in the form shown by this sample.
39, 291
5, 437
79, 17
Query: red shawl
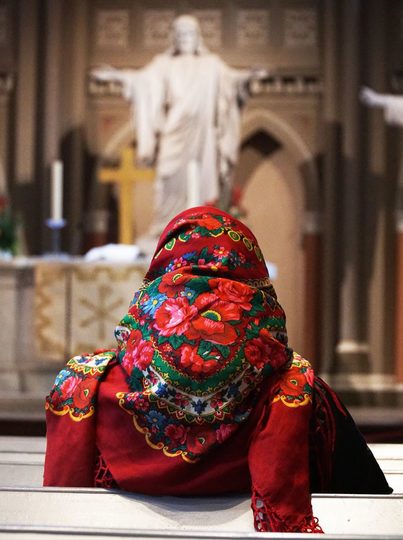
202, 395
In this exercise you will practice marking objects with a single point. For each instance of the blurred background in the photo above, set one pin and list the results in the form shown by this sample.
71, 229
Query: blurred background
319, 180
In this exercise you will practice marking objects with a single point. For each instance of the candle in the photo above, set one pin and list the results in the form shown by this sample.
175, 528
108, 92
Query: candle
193, 184
56, 191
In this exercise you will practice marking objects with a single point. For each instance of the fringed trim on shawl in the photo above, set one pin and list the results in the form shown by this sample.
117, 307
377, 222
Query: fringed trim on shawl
267, 520
102, 475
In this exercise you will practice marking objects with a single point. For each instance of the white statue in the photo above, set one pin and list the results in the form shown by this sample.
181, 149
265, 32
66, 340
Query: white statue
186, 109
392, 105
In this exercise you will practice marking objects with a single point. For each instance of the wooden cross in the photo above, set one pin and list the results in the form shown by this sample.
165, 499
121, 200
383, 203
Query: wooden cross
125, 176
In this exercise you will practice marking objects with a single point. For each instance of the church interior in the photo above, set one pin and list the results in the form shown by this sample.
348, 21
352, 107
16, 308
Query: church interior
319, 180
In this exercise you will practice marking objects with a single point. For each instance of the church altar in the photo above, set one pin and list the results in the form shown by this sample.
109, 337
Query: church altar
52, 310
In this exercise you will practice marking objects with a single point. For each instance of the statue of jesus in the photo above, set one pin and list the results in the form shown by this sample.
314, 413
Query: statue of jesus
186, 110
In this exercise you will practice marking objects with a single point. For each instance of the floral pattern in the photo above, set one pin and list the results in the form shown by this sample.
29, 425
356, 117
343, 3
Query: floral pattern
228, 246
296, 385
74, 391
198, 339
196, 342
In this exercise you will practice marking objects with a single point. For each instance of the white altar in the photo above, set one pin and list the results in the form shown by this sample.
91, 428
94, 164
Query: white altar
50, 311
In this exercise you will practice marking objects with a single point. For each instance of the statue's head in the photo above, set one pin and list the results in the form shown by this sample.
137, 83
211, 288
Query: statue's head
186, 35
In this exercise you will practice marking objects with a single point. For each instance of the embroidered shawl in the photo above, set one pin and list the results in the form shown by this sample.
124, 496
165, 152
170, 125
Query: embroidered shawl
202, 395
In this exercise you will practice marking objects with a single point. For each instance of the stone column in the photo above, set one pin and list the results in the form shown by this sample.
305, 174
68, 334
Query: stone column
74, 117
26, 92
399, 298
313, 257
331, 179
25, 191
50, 123
352, 347
378, 187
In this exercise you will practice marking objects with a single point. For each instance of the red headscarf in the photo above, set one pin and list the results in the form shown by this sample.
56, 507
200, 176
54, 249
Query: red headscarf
204, 372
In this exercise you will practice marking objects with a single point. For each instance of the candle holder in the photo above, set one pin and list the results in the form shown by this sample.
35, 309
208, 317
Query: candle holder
56, 226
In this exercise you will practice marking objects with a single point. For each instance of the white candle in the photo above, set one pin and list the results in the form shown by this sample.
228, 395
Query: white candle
56, 191
193, 184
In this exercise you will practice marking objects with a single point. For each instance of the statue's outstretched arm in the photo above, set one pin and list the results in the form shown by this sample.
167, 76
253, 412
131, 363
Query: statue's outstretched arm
109, 73
246, 76
373, 99
392, 105
258, 74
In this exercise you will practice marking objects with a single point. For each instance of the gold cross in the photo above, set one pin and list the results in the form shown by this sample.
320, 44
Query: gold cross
125, 176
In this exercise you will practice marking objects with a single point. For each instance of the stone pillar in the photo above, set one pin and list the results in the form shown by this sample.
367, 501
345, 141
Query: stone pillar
352, 347
74, 118
378, 187
399, 298
331, 179
312, 256
50, 123
25, 191
26, 93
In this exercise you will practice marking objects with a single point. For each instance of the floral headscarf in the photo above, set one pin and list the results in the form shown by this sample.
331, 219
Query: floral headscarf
200, 335
204, 371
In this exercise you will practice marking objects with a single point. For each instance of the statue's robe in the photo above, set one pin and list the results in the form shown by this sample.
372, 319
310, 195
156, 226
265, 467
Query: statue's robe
186, 108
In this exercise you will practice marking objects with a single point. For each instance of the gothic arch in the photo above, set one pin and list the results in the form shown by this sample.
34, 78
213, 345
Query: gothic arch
304, 160
262, 119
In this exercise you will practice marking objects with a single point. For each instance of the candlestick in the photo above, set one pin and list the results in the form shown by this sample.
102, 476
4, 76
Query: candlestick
193, 184
55, 226
56, 191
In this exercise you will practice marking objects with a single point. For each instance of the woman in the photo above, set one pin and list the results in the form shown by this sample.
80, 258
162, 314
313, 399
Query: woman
203, 396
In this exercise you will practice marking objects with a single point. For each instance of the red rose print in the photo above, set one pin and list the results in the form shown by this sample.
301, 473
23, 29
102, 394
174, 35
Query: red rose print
190, 360
128, 362
233, 291
293, 383
224, 431
55, 398
68, 386
210, 367
134, 338
209, 223
200, 439
276, 350
172, 282
265, 350
84, 392
205, 300
256, 353
176, 432
310, 376
139, 353
144, 355
174, 316
212, 324
194, 363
